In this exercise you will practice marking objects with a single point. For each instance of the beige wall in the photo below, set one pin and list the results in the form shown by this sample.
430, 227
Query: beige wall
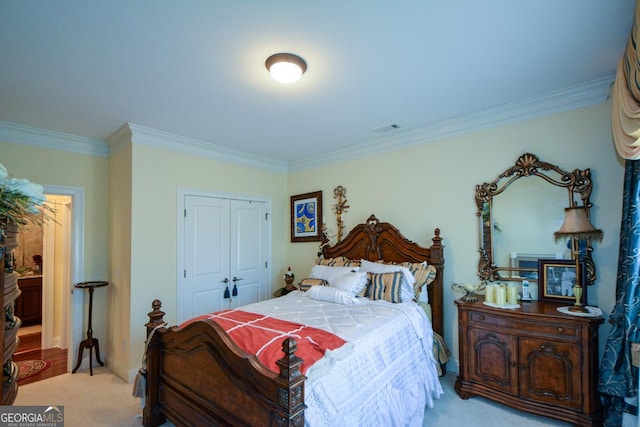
156, 176
120, 240
61, 168
130, 225
432, 185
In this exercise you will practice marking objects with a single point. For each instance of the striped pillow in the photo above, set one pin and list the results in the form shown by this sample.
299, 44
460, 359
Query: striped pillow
407, 292
305, 284
366, 292
386, 286
338, 262
424, 274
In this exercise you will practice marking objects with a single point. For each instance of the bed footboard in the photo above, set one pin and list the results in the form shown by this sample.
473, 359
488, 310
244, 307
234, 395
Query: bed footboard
197, 375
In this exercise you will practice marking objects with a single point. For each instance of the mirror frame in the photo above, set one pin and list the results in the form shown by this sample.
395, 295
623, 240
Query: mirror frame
578, 184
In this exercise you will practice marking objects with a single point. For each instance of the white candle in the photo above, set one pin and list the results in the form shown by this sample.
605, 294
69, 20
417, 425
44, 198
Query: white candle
501, 295
490, 294
512, 294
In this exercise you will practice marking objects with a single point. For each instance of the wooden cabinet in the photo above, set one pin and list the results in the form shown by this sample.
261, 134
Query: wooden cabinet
29, 303
534, 359
8, 322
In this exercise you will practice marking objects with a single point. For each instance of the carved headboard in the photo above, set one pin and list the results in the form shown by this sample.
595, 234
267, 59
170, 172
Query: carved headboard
375, 241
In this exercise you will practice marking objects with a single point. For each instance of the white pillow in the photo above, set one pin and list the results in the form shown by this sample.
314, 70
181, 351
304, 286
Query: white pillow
327, 273
327, 293
353, 282
406, 291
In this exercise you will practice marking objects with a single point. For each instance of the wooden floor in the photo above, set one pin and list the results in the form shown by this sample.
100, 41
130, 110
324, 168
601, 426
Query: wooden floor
29, 349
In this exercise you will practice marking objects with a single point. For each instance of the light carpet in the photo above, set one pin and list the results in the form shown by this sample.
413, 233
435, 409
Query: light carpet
106, 400
103, 399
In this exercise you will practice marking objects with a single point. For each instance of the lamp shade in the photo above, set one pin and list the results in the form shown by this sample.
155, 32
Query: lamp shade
576, 225
286, 67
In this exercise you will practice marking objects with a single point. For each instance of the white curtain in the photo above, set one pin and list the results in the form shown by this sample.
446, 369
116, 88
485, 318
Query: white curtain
626, 97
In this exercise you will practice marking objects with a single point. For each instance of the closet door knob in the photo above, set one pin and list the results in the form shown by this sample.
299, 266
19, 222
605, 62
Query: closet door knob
236, 279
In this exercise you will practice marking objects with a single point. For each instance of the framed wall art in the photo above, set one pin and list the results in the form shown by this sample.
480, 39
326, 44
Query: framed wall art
306, 217
556, 278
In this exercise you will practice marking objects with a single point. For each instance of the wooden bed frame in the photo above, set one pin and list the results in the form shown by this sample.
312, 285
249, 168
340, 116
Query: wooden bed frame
197, 375
375, 241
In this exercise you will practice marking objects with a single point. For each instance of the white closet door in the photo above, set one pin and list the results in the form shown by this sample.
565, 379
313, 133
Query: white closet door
248, 222
224, 239
206, 253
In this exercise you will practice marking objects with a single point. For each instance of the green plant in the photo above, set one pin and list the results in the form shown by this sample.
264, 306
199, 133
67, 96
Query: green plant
21, 201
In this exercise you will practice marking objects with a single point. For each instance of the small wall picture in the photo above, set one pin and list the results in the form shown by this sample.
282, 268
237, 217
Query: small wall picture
306, 217
557, 278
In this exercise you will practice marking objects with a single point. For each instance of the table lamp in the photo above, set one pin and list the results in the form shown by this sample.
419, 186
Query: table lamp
576, 227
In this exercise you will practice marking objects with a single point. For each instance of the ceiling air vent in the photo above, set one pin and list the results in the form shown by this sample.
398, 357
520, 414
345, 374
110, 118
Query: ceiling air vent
387, 128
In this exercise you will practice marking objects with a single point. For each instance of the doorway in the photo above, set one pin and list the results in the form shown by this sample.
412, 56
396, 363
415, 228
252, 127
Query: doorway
62, 266
42, 261
27, 261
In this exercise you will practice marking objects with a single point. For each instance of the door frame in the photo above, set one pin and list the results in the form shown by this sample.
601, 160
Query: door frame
180, 232
74, 305
55, 274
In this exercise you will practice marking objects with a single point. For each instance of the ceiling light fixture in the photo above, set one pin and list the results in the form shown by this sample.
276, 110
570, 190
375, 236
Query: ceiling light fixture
286, 67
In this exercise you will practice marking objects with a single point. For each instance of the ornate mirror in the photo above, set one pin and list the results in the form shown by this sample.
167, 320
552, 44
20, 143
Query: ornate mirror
518, 214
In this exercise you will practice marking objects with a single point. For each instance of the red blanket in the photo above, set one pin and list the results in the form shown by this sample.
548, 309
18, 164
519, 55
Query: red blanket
263, 336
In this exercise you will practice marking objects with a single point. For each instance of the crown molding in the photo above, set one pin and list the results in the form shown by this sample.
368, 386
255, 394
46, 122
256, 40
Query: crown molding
119, 139
194, 147
132, 133
589, 93
21, 134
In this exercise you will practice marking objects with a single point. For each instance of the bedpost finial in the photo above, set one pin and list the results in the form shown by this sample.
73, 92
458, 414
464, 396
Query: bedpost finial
289, 364
156, 316
289, 346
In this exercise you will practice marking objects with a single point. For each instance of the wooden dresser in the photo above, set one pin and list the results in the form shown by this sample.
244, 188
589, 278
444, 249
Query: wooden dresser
533, 358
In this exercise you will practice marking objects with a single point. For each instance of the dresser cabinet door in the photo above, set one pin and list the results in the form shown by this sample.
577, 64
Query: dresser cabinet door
494, 359
551, 372
28, 306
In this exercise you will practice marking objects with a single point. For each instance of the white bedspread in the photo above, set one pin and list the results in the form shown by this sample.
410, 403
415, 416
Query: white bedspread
384, 376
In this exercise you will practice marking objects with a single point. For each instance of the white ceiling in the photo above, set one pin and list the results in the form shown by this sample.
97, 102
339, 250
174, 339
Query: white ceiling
196, 68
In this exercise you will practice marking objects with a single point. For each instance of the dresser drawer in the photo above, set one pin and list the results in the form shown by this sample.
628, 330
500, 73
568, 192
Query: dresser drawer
522, 326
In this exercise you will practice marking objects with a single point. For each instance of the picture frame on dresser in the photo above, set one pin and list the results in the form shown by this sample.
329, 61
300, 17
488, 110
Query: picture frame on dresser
526, 265
306, 217
556, 278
